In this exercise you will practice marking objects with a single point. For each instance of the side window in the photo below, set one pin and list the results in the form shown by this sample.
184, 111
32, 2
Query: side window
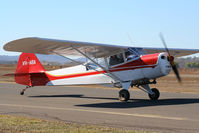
116, 59
91, 66
129, 55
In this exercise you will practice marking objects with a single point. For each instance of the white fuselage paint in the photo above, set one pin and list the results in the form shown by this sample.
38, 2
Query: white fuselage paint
161, 68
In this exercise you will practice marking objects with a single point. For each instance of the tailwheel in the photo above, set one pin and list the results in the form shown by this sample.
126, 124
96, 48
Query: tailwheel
21, 93
124, 95
155, 95
23, 90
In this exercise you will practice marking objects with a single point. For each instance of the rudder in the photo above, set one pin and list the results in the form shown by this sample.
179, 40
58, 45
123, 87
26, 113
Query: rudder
29, 71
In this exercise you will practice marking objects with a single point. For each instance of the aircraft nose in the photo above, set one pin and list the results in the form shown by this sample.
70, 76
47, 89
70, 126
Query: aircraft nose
165, 66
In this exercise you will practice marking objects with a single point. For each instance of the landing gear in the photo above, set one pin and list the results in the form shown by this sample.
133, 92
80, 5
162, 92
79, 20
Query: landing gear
23, 90
155, 94
124, 95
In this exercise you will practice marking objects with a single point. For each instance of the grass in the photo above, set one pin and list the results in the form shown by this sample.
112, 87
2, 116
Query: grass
19, 124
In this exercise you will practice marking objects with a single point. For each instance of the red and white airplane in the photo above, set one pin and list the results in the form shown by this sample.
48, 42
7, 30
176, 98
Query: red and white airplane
113, 65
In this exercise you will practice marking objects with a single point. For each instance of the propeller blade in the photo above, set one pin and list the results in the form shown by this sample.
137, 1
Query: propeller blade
164, 43
176, 73
171, 59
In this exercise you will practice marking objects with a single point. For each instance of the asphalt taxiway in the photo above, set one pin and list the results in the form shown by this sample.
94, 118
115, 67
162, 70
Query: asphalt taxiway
174, 112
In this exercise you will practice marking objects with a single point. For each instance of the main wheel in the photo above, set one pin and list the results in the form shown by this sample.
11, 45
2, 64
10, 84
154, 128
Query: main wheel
124, 95
156, 94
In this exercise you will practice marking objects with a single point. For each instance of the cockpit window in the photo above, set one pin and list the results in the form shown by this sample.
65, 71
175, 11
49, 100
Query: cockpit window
92, 66
116, 59
127, 55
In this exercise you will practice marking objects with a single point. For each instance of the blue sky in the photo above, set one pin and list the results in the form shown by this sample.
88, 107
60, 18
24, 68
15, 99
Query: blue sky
102, 21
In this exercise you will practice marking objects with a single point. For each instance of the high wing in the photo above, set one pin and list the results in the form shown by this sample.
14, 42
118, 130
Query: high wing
62, 47
68, 48
176, 52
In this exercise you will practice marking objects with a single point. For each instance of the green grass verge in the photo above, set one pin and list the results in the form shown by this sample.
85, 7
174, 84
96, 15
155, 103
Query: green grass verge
18, 124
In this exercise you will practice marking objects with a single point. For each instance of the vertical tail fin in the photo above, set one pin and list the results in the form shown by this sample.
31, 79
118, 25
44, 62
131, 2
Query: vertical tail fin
29, 71
29, 63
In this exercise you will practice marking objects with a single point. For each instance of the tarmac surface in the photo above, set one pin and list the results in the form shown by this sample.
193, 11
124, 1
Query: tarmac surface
174, 112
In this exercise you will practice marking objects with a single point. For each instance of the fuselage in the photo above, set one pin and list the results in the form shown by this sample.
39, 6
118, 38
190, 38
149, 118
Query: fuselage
150, 66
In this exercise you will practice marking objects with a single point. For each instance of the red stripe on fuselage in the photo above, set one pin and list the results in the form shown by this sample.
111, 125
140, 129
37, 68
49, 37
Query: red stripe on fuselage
144, 61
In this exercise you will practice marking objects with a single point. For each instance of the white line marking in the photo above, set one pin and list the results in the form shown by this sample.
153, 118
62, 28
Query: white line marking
96, 111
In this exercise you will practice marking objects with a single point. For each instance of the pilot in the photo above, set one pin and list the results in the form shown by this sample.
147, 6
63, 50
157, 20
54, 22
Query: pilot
115, 60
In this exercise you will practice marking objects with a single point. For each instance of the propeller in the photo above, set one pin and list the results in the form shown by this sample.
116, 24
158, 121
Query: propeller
170, 59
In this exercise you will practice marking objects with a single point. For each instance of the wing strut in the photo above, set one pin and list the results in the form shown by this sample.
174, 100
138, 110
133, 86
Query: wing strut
85, 65
112, 75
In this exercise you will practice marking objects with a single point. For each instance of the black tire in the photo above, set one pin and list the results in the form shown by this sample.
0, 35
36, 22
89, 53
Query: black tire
124, 95
22, 93
156, 94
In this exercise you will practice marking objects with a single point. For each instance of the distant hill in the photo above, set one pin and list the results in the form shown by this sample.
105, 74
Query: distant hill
4, 59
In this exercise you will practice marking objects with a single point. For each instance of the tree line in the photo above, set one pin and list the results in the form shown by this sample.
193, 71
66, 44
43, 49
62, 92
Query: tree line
192, 65
188, 62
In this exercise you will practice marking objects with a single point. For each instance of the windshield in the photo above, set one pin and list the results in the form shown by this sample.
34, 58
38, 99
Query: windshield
131, 54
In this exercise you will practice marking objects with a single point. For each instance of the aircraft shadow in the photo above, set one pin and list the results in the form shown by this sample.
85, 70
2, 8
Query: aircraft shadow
136, 103
74, 96
133, 103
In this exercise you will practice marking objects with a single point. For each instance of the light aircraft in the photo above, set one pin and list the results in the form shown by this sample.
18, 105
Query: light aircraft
113, 65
